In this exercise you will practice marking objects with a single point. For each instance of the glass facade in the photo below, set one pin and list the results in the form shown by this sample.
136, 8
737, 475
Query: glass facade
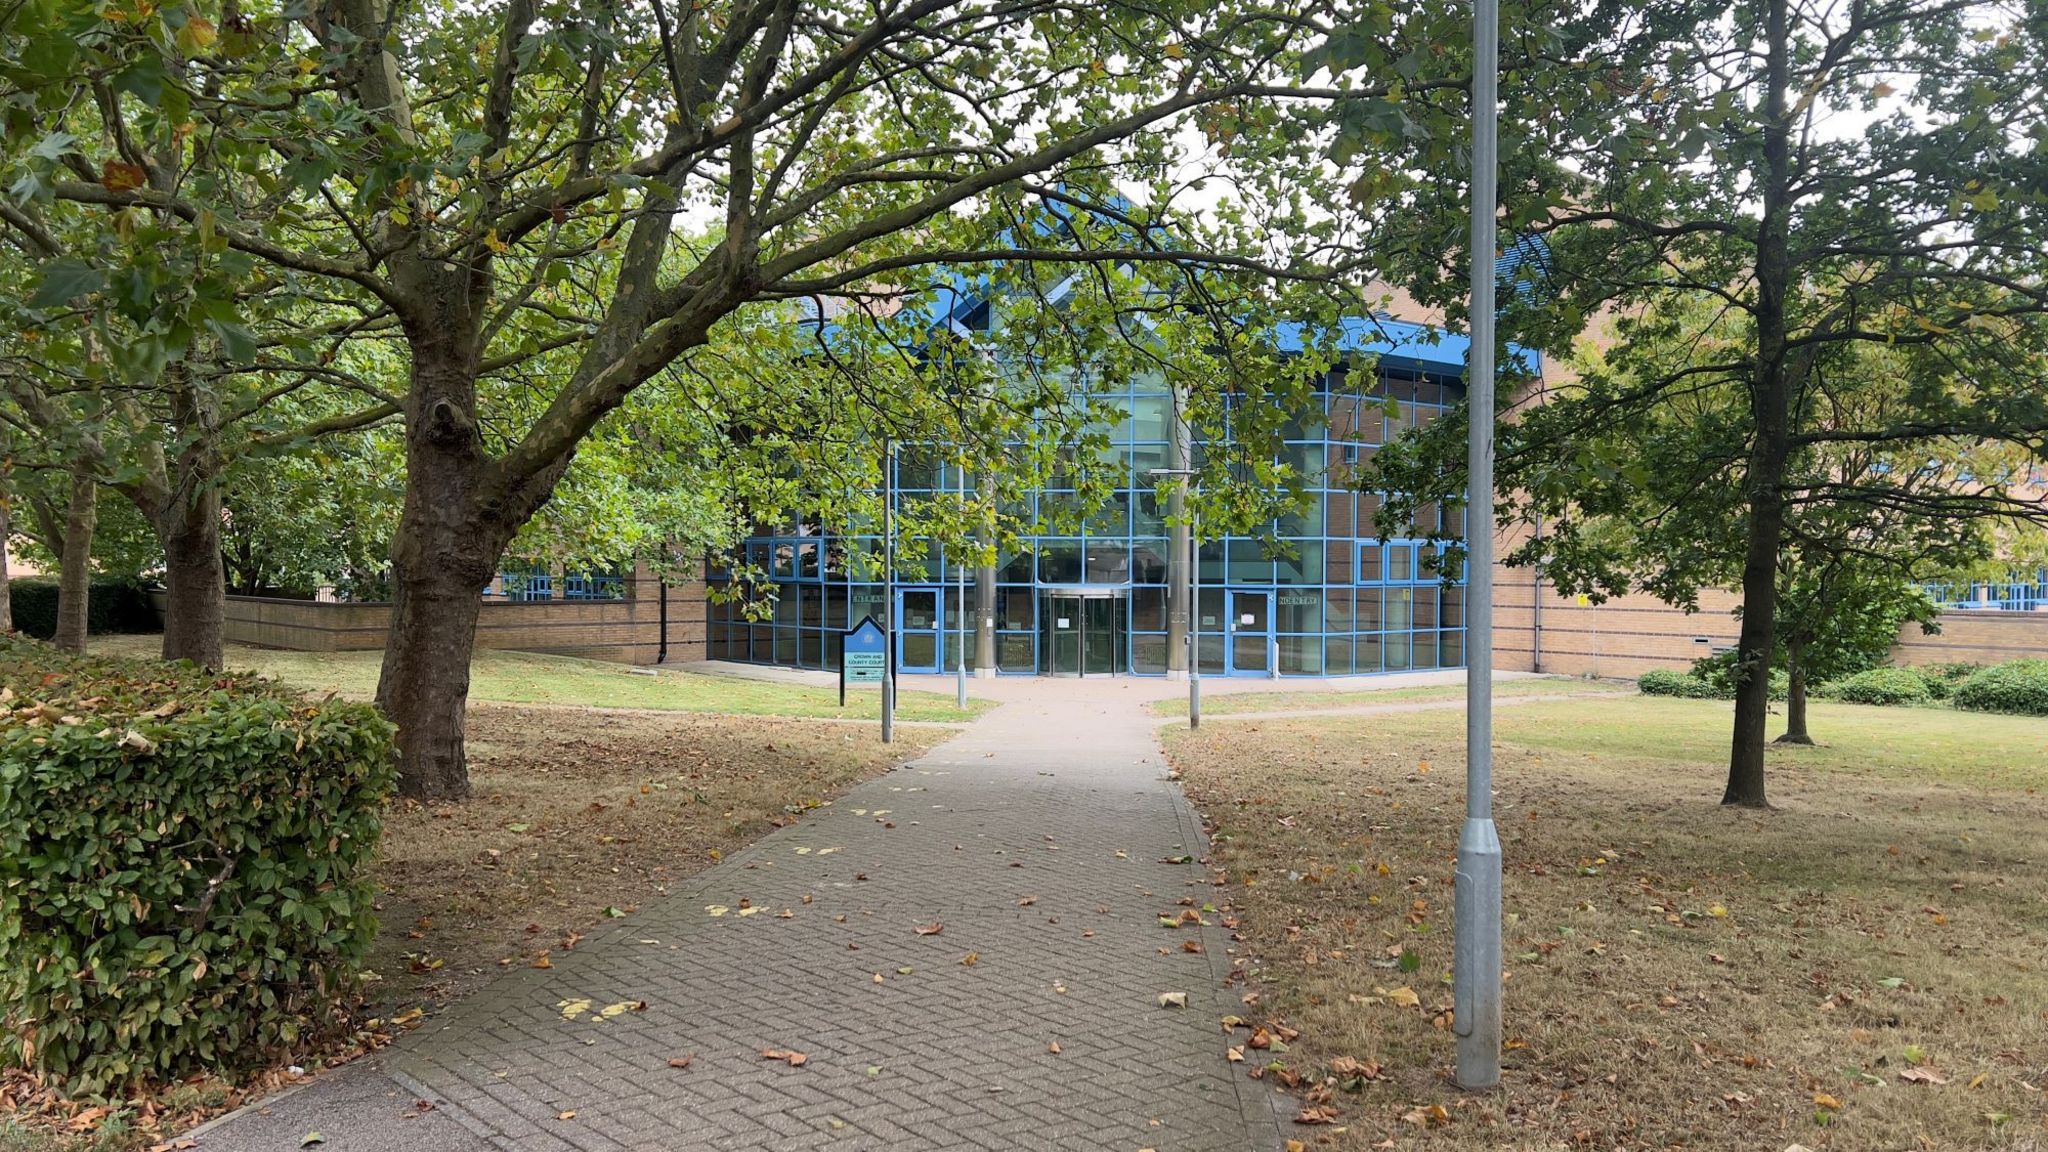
1090, 597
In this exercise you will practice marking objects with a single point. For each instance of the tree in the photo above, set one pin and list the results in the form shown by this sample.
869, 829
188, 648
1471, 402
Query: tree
491, 182
1831, 179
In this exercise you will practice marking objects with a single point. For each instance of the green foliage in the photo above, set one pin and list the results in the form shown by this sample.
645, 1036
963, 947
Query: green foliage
183, 866
1880, 686
2018, 687
1941, 679
1670, 682
114, 604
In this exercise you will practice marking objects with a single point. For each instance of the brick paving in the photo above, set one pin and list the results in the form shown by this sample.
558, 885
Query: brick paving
1046, 840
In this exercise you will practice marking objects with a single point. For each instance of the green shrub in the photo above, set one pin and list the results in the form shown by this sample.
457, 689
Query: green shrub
1666, 682
2019, 687
1882, 686
1941, 679
113, 604
183, 866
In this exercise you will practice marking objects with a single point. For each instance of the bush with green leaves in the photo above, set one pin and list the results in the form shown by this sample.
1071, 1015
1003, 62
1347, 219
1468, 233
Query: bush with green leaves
1669, 682
2019, 687
1880, 686
113, 604
1941, 679
183, 866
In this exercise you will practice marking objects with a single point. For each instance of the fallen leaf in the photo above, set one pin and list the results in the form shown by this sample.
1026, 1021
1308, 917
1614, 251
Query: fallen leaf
970, 960
1404, 997
1053, 1047
1173, 999
542, 961
680, 1061
310, 1139
931, 929
566, 1114
1823, 1100
1027, 901
1922, 1076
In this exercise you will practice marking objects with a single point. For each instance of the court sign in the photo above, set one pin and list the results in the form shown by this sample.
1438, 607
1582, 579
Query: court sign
863, 655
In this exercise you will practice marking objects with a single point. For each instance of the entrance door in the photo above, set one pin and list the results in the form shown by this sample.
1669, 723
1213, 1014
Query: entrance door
1059, 635
1081, 635
1251, 632
918, 632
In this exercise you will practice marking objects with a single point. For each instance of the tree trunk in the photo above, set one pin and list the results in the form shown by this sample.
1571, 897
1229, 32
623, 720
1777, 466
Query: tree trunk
1795, 696
1770, 410
443, 555
74, 578
195, 594
6, 590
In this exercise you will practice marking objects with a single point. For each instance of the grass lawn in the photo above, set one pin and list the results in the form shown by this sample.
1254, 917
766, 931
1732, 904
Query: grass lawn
1239, 703
533, 678
1865, 967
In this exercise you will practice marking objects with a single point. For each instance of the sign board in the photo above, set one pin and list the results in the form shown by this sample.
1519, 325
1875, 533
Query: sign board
863, 655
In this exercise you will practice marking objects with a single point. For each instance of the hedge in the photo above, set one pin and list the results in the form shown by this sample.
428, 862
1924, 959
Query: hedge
113, 604
1880, 686
2019, 687
1708, 680
183, 866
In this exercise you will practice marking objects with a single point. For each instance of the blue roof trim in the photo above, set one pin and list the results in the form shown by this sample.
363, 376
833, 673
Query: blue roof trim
1401, 342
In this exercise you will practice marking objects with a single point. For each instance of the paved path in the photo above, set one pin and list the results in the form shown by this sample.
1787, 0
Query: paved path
1041, 838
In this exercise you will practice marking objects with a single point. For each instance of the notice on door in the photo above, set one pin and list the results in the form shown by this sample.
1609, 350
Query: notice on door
1063, 623
1245, 618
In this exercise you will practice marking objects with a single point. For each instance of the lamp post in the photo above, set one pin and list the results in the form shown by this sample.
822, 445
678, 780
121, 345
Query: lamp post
1194, 579
1476, 946
960, 610
889, 589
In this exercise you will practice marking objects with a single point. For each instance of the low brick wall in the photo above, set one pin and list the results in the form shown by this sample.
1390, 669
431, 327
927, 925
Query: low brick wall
626, 630
1629, 635
1976, 636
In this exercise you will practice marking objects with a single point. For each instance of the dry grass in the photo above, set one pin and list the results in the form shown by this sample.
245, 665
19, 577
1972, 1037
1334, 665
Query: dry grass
1680, 975
576, 812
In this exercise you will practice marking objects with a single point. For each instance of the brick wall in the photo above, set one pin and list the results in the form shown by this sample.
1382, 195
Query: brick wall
1539, 630
626, 630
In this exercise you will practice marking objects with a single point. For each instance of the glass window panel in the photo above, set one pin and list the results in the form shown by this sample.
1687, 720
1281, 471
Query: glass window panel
1211, 562
920, 610
1249, 563
1013, 608
1148, 561
1152, 418
920, 649
1113, 518
1371, 564
1015, 568
1425, 607
1451, 648
1454, 608
1300, 610
1148, 609
1146, 457
1424, 651
1108, 562
1148, 517
1339, 561
1302, 655
1337, 656
810, 604
1394, 652
1369, 612
1148, 654
1365, 652
1304, 567
1014, 652
811, 648
1059, 561
866, 603
1337, 609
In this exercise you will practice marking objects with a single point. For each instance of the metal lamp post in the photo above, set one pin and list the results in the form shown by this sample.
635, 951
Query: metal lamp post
1194, 625
960, 610
1476, 951
889, 589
